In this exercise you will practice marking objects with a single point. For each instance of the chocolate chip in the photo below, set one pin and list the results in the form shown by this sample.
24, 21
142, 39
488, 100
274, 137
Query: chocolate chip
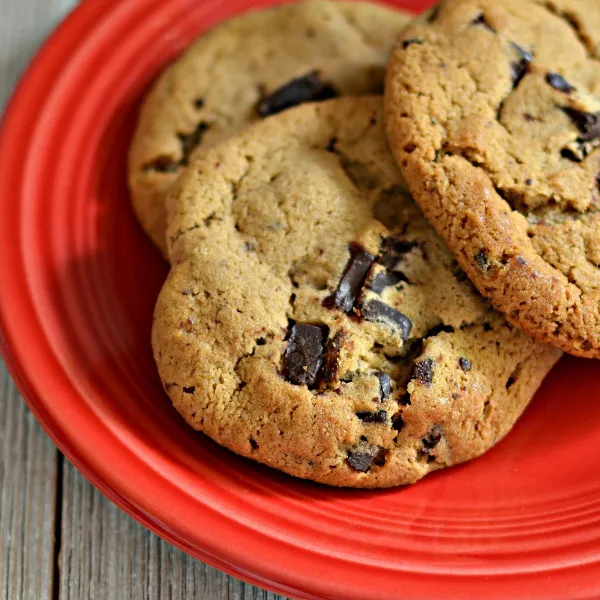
308, 88
372, 417
253, 443
393, 249
422, 372
190, 141
411, 41
189, 390
558, 82
587, 123
331, 361
433, 438
162, 164
398, 422
383, 280
465, 364
260, 341
576, 155
378, 312
404, 400
385, 385
480, 21
520, 68
352, 280
304, 353
441, 328
199, 103
364, 455
482, 261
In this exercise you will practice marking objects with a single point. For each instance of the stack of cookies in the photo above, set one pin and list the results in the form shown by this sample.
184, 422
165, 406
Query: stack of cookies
367, 286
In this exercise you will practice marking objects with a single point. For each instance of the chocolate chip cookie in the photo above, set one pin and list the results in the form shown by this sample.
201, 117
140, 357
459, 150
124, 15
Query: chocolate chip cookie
247, 68
312, 319
493, 112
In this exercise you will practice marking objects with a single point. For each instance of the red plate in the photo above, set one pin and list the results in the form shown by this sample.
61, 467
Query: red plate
79, 282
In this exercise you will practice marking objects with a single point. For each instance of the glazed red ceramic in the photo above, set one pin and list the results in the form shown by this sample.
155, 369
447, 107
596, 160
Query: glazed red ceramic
79, 280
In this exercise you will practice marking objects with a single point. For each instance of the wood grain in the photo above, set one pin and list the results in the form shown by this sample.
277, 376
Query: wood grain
28, 477
105, 555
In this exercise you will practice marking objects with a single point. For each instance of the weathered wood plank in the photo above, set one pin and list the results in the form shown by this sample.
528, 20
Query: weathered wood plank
28, 476
105, 555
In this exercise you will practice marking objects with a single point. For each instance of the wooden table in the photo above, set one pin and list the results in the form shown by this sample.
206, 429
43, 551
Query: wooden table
59, 537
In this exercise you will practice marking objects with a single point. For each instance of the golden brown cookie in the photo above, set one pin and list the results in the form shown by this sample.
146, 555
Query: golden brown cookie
251, 66
312, 319
493, 112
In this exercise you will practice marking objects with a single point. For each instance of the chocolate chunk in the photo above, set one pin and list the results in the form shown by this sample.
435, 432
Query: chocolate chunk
372, 417
480, 21
199, 103
331, 144
308, 88
405, 400
378, 312
422, 372
558, 82
385, 385
331, 362
384, 279
398, 422
411, 41
190, 141
576, 155
189, 390
441, 328
465, 364
352, 280
432, 439
364, 455
482, 260
162, 164
393, 249
520, 68
304, 353
587, 123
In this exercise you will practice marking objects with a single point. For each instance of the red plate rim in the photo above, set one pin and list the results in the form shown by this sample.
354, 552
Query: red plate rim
40, 377
36, 79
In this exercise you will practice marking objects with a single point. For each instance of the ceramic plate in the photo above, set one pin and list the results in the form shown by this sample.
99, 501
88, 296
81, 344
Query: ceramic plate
79, 280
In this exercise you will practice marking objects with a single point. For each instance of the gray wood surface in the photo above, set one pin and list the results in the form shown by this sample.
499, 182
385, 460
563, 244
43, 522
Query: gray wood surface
28, 500
59, 537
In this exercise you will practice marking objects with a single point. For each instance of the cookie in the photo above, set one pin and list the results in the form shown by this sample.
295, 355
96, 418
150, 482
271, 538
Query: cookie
247, 68
313, 321
493, 113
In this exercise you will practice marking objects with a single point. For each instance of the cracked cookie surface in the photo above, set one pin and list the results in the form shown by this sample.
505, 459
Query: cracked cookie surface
244, 69
313, 321
493, 115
